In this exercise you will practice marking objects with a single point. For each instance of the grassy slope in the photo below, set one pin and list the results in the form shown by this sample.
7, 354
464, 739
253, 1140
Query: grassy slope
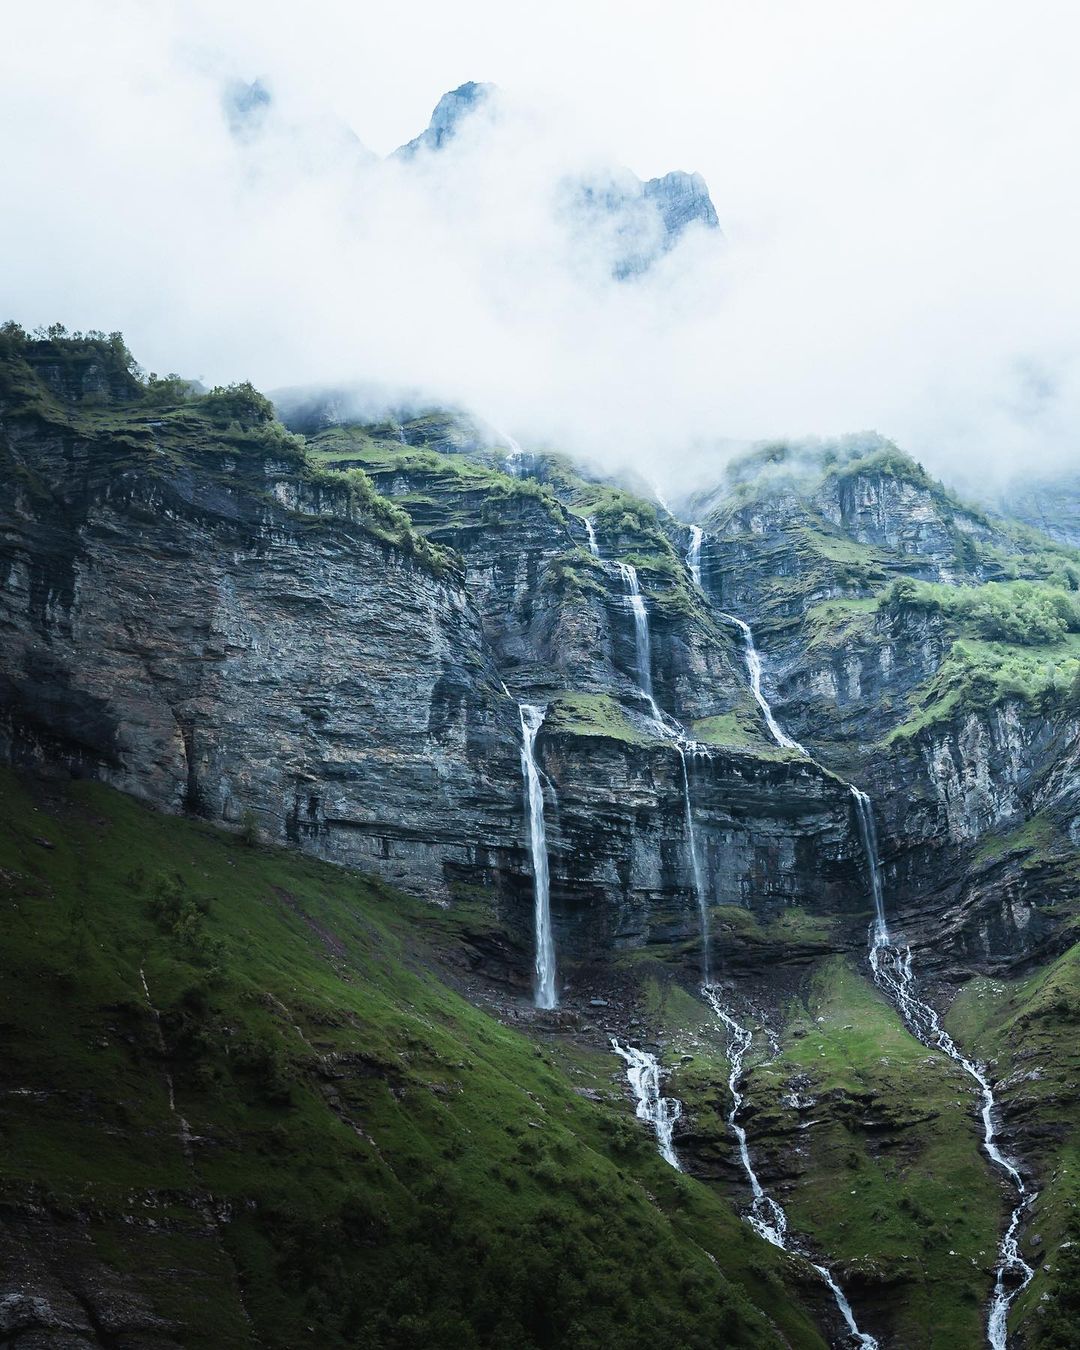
373, 1160
1029, 1030
891, 1185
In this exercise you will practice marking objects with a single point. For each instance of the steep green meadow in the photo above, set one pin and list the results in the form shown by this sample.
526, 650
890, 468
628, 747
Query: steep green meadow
868, 1139
355, 1155
1028, 1029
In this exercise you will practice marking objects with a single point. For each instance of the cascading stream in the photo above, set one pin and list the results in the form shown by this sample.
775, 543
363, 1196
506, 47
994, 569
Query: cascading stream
751, 656
766, 1215
753, 667
893, 973
644, 664
666, 726
513, 463
643, 1075
892, 970
864, 817
532, 718
642, 645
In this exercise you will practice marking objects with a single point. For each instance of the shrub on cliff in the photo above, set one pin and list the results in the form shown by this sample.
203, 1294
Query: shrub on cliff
1028, 613
241, 403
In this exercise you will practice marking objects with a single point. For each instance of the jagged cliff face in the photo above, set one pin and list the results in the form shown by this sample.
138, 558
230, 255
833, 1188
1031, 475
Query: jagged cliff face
199, 618
221, 626
326, 640
885, 686
233, 644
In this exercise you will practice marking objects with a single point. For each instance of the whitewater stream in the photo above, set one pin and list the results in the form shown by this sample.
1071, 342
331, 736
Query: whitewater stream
642, 646
658, 1111
892, 969
766, 1215
665, 725
751, 655
513, 464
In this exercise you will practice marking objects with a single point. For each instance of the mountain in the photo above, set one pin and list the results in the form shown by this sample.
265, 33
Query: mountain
451, 110
632, 222
273, 867
1050, 505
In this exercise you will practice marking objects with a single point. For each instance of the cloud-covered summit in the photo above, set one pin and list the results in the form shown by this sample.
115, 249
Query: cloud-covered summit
898, 246
610, 209
450, 111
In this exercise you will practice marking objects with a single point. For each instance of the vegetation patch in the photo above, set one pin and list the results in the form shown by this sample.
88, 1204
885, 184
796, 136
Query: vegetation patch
1029, 1032
373, 1159
581, 714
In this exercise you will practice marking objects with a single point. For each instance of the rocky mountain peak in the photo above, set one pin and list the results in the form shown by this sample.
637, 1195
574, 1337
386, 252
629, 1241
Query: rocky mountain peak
451, 110
680, 198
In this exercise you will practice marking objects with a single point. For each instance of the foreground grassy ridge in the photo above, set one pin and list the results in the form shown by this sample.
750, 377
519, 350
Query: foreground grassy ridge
887, 1182
1030, 1032
357, 1155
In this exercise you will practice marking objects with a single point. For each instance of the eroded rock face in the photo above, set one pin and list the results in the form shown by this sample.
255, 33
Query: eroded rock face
228, 637
235, 654
768, 836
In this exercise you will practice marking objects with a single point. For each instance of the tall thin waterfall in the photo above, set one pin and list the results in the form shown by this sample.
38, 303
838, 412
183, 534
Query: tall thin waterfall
532, 718
695, 862
766, 1215
643, 1075
644, 664
894, 975
864, 816
693, 556
590, 530
641, 635
753, 668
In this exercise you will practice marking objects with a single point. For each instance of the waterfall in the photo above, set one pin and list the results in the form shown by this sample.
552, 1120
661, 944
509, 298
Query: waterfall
512, 464
590, 530
892, 970
641, 636
893, 974
751, 656
532, 719
695, 862
693, 556
753, 668
643, 1075
864, 816
766, 1215
644, 664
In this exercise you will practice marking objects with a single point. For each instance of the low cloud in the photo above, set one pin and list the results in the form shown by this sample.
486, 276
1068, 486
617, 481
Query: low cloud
898, 209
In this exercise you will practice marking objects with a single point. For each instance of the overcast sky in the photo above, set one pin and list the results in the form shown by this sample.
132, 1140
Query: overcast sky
896, 184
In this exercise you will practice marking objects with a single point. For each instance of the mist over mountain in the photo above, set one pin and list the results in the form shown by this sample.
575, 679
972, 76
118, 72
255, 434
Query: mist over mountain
539, 689
896, 246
